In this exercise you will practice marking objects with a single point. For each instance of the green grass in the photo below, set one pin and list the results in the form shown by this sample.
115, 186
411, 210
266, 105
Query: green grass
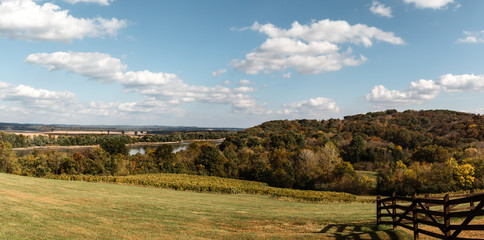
35, 208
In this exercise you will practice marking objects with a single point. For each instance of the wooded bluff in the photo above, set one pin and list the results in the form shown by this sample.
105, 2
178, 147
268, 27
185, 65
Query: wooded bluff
412, 152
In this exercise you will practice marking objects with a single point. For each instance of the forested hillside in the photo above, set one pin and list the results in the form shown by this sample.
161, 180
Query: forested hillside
413, 151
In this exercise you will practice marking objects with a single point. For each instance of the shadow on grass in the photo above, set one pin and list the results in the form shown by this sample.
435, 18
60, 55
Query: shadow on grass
360, 231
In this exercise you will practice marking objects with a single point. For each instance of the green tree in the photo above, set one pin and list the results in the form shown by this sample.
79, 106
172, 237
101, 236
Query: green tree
114, 146
164, 157
8, 161
211, 161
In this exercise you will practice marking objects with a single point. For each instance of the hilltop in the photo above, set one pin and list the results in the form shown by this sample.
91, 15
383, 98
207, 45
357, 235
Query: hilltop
396, 144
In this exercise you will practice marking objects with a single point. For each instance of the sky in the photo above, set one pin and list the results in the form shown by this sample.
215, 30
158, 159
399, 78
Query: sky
227, 63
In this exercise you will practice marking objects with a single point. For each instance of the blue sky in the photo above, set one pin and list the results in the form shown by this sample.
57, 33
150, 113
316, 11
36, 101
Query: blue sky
236, 63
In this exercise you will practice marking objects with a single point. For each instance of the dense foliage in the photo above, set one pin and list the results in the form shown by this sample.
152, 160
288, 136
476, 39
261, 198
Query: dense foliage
412, 151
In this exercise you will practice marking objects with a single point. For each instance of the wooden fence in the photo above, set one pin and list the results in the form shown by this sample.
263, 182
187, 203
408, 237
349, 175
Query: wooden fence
437, 212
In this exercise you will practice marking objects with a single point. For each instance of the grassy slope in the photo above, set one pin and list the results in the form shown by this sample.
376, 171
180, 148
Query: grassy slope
33, 208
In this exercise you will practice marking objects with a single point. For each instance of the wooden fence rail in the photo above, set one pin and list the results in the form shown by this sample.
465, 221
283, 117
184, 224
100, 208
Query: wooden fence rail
437, 212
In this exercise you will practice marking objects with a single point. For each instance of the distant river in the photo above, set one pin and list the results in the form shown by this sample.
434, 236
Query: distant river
133, 148
178, 146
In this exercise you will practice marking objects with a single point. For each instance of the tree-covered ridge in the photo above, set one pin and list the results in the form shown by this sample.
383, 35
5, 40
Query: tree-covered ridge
416, 128
409, 129
423, 142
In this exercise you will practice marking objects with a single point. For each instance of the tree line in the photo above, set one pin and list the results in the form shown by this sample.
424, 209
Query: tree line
21, 141
412, 151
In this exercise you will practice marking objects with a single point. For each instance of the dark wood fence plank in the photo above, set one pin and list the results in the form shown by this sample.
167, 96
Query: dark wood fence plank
438, 202
405, 226
467, 214
474, 198
429, 214
446, 217
467, 227
469, 219
432, 234
415, 218
433, 224
394, 210
418, 212
378, 210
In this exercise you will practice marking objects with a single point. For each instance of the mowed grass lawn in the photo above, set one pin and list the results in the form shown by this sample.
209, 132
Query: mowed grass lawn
35, 208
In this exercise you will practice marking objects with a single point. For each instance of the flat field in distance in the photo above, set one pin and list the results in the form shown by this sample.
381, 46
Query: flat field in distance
35, 208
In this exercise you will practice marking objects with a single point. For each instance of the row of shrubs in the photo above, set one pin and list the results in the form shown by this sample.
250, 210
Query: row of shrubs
212, 184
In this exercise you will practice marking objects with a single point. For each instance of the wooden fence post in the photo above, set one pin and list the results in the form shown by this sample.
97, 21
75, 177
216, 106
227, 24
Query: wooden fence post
446, 217
426, 205
471, 203
394, 210
378, 210
415, 217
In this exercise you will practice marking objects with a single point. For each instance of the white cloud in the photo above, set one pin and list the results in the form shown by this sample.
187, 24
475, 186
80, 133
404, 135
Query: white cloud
434, 4
472, 37
25, 19
245, 90
100, 2
244, 82
226, 82
287, 75
425, 90
310, 48
462, 83
380, 9
416, 93
330, 31
312, 108
38, 100
219, 72
98, 66
161, 91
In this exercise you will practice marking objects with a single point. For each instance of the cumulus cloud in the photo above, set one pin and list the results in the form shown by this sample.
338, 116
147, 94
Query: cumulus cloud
417, 93
245, 90
28, 20
38, 99
244, 82
314, 107
425, 90
310, 48
462, 83
380, 9
100, 2
434, 4
160, 90
98, 66
472, 37
219, 72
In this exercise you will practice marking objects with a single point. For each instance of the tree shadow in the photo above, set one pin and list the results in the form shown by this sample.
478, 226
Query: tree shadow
360, 231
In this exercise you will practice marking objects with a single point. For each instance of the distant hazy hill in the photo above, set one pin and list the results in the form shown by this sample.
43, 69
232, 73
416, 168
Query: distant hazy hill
65, 127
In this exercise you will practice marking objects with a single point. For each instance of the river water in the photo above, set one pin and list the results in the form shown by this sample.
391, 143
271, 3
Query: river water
133, 149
